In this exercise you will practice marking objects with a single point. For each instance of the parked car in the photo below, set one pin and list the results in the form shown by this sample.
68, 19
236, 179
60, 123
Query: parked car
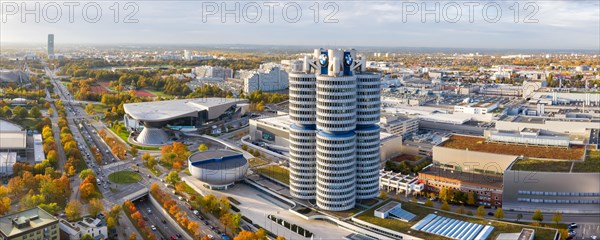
572, 225
490, 214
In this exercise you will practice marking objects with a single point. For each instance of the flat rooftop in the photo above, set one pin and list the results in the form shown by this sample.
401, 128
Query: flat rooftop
470, 178
479, 144
282, 121
217, 159
170, 109
9, 127
24, 221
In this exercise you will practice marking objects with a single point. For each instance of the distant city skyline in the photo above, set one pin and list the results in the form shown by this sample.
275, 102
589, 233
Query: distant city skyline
560, 25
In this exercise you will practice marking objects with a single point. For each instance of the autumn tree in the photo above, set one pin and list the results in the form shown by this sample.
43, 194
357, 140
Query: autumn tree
73, 210
480, 212
499, 214
134, 151
471, 198
4, 200
172, 177
429, 203
537, 216
557, 218
383, 194
202, 147
86, 172
445, 206
132, 236
95, 206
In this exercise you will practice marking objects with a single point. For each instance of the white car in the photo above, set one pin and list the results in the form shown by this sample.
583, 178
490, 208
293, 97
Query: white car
153, 228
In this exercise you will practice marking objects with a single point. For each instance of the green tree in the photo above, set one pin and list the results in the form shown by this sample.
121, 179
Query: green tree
445, 206
134, 151
429, 203
480, 212
557, 218
499, 214
35, 112
173, 177
86, 172
202, 147
537, 216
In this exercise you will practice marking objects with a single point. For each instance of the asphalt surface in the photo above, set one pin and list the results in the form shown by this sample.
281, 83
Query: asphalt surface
153, 217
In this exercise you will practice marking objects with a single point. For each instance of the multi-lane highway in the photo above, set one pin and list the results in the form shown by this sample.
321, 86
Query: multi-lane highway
162, 228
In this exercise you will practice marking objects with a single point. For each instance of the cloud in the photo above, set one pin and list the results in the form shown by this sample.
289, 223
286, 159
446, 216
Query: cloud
561, 24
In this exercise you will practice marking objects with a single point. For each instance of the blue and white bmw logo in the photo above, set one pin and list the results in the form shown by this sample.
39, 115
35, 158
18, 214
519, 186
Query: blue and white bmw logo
348, 59
323, 59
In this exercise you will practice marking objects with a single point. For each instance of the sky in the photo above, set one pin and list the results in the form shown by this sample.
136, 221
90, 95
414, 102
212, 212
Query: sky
506, 24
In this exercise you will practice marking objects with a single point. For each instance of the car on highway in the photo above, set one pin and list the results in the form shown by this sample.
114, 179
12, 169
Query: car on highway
149, 210
173, 237
153, 228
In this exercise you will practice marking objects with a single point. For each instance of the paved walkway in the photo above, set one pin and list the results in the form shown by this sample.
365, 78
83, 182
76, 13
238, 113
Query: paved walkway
257, 205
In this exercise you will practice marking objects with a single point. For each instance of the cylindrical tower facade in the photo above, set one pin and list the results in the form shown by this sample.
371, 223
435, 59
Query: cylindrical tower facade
336, 171
367, 135
336, 142
302, 147
334, 138
367, 162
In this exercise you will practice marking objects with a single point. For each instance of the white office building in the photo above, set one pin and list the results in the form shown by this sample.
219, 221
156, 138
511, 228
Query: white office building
334, 157
210, 73
267, 79
399, 124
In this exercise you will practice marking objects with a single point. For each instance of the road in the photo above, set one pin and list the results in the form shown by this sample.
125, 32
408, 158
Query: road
205, 227
164, 230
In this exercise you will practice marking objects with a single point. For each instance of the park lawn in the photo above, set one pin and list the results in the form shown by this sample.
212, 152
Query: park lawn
124, 177
421, 211
27, 123
122, 134
100, 108
158, 93
279, 173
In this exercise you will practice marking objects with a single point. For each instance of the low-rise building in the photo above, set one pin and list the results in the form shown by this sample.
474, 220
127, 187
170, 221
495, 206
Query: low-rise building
391, 181
400, 125
34, 223
488, 187
94, 227
274, 132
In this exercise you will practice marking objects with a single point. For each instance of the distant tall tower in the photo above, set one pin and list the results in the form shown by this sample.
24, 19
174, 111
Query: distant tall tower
334, 136
50, 45
187, 55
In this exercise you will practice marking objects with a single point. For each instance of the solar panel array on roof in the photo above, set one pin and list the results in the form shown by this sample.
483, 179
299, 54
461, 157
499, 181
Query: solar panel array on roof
402, 214
453, 228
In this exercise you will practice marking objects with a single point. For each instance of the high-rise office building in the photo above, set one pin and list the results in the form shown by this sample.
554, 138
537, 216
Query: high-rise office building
334, 139
50, 45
